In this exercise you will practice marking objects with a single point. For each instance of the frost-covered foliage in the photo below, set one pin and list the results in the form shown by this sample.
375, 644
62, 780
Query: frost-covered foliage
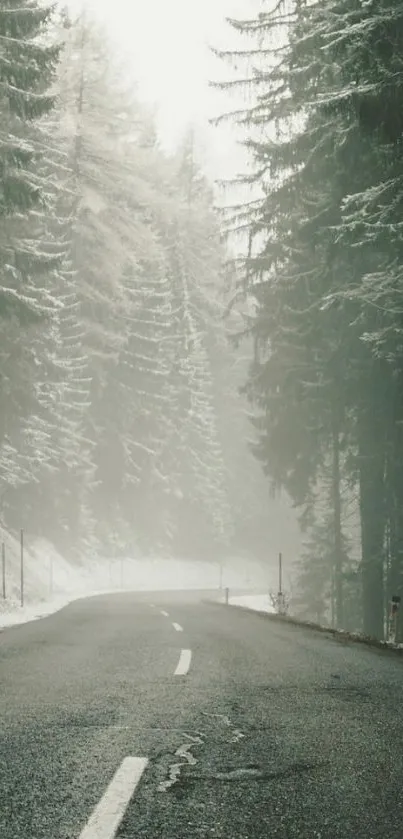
114, 432
324, 129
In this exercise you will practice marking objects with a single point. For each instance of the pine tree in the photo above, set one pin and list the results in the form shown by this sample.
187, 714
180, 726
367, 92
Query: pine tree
27, 69
204, 519
105, 229
316, 383
367, 41
55, 499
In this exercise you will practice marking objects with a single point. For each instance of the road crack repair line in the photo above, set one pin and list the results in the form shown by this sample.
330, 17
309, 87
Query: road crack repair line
187, 758
237, 734
184, 752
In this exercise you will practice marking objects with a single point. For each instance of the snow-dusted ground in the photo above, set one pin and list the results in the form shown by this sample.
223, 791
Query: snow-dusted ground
258, 602
51, 582
262, 603
11, 613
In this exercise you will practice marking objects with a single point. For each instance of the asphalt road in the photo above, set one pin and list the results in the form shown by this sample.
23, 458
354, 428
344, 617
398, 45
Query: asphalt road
273, 731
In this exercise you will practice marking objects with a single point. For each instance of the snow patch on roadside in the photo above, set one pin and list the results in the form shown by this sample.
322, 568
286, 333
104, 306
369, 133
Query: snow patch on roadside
11, 614
52, 582
262, 603
257, 602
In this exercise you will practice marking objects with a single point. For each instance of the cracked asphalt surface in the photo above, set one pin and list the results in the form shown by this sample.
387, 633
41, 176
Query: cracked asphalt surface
276, 731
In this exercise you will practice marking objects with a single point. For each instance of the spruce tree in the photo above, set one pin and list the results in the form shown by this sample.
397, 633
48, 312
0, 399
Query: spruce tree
316, 383
27, 69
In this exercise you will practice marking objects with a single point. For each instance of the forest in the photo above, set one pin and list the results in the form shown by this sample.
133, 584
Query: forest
322, 117
122, 429
163, 389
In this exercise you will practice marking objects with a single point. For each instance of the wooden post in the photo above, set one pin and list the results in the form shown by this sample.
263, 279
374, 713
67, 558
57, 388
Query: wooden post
226, 596
51, 575
3, 565
280, 573
337, 526
22, 568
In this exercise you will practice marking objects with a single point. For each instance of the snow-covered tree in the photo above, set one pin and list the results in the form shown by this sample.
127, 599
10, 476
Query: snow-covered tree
319, 265
200, 500
27, 259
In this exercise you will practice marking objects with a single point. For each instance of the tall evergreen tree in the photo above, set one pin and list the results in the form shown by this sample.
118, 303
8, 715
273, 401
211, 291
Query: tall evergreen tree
27, 69
204, 516
366, 41
317, 383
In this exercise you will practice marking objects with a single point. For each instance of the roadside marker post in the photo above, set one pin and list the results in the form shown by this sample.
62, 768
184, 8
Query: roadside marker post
22, 567
393, 618
3, 567
280, 576
51, 575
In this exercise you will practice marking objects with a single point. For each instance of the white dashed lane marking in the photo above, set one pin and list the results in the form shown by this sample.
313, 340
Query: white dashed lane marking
185, 656
184, 663
108, 814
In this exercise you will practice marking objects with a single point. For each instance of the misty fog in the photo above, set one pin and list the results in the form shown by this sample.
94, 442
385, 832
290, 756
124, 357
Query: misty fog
201, 304
201, 419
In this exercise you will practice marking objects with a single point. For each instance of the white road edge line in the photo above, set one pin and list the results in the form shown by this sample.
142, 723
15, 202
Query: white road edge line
184, 663
178, 627
108, 814
166, 614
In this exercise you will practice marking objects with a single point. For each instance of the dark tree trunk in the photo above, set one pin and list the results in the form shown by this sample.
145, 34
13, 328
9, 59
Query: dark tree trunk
371, 451
395, 502
337, 533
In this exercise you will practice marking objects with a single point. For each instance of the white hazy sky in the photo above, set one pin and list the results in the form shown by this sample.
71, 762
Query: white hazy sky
166, 46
